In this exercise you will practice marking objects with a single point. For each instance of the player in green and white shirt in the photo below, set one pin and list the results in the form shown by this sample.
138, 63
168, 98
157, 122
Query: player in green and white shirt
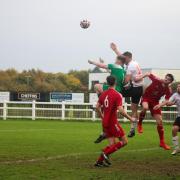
116, 70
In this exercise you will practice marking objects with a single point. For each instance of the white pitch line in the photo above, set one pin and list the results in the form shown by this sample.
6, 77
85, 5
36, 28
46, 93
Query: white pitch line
22, 130
20, 161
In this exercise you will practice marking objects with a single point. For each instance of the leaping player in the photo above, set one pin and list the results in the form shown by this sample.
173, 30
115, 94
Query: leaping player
150, 101
110, 101
133, 85
116, 69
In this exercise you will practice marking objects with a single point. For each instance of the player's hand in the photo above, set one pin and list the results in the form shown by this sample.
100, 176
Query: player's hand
101, 60
113, 46
157, 107
102, 116
90, 62
147, 74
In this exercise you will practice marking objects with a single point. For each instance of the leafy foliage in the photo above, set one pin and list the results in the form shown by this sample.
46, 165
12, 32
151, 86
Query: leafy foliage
39, 81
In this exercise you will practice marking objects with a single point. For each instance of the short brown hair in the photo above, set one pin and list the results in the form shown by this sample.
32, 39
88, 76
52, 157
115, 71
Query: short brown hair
171, 77
127, 54
121, 58
111, 80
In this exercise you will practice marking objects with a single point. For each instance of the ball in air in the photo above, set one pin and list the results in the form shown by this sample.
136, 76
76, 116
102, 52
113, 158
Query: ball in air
85, 24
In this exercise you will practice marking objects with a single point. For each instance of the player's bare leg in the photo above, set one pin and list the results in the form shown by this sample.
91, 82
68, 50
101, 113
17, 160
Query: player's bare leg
175, 140
134, 108
142, 116
160, 130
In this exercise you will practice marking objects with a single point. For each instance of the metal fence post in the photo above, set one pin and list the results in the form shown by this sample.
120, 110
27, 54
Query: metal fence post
4, 110
63, 110
33, 110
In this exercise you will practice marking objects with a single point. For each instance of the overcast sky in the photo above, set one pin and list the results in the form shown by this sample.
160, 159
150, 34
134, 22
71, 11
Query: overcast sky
45, 34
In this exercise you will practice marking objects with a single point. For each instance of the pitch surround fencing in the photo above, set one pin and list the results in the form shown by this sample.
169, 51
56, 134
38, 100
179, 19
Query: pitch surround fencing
65, 110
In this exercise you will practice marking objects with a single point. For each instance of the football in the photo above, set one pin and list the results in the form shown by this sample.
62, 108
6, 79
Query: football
85, 24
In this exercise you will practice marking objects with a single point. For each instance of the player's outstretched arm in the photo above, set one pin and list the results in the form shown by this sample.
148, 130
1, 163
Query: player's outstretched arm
100, 65
169, 103
172, 101
161, 105
140, 77
124, 113
115, 49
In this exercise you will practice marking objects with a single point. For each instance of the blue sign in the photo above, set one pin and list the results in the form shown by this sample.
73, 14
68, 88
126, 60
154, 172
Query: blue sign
59, 97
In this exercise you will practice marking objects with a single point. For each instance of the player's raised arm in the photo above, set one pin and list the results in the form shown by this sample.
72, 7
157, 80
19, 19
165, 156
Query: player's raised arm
140, 77
98, 64
115, 49
124, 113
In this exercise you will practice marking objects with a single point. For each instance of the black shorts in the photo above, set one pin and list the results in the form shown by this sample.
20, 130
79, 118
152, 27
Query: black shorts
134, 92
177, 122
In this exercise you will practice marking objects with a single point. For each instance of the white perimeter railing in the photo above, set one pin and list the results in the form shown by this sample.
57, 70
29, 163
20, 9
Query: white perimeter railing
65, 110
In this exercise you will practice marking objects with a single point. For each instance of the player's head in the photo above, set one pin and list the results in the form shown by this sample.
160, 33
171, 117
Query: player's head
128, 56
178, 88
111, 81
169, 78
120, 60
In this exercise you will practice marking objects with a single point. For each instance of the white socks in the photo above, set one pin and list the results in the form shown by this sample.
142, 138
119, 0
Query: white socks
134, 124
175, 142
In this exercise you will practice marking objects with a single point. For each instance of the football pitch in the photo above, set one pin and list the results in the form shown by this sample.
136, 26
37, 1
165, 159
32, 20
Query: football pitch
52, 149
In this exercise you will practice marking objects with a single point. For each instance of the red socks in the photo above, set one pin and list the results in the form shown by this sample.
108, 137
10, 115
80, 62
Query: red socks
160, 130
101, 158
113, 148
110, 149
141, 117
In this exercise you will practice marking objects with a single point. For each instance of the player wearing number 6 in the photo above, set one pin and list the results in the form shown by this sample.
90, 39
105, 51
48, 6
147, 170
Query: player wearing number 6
109, 102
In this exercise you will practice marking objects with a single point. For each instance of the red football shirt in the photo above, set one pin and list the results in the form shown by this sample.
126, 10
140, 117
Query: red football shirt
110, 101
156, 90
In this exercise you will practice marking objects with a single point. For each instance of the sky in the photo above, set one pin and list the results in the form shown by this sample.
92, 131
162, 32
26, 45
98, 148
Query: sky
46, 35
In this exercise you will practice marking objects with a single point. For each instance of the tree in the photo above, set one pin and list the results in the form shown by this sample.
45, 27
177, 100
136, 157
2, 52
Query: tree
39, 81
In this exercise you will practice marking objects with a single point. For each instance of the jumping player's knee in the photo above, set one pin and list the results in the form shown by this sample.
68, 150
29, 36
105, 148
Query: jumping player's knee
175, 129
158, 119
159, 123
145, 107
125, 141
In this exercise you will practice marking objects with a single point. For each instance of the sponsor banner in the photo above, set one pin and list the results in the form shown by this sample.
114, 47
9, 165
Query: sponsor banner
68, 97
93, 98
4, 96
28, 96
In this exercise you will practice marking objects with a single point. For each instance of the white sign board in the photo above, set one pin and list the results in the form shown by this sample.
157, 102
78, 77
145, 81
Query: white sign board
93, 98
4, 96
67, 97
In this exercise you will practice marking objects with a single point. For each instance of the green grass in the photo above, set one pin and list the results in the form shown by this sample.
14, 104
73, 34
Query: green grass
73, 153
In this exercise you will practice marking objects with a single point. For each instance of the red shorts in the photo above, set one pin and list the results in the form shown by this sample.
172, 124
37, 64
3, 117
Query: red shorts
114, 130
151, 105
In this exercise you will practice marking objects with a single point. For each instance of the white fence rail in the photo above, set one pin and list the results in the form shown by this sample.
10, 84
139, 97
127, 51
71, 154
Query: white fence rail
55, 110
